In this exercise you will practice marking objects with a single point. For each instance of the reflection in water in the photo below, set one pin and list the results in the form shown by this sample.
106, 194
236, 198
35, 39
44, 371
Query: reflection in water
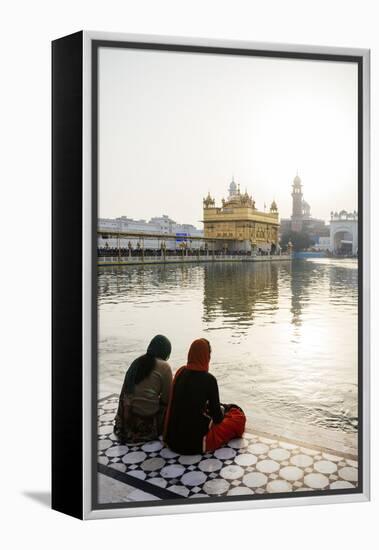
284, 336
237, 296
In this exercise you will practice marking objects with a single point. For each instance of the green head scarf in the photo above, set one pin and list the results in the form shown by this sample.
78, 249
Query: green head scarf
160, 348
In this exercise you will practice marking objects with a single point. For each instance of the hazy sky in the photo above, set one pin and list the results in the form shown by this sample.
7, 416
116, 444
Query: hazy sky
174, 126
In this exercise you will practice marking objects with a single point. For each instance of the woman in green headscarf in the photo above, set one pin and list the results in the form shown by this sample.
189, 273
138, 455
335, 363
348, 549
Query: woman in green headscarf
145, 393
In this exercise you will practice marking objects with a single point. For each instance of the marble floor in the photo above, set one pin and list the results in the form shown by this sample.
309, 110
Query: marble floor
253, 464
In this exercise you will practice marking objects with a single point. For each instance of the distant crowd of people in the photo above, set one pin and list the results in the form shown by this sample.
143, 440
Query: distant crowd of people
344, 253
115, 251
139, 252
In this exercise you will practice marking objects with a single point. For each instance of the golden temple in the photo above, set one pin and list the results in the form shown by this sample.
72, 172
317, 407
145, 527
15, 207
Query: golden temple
238, 225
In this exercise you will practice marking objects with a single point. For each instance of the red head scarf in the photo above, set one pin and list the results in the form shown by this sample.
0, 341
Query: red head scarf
199, 355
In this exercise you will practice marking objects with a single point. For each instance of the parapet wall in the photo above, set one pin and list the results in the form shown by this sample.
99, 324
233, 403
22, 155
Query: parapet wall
148, 260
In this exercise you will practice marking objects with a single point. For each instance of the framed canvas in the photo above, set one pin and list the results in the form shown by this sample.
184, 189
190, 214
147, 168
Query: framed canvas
210, 275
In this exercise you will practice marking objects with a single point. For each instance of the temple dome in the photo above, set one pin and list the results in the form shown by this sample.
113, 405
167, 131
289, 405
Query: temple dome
273, 207
232, 187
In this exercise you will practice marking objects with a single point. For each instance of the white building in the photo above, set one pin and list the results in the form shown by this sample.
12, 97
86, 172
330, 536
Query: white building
159, 225
344, 232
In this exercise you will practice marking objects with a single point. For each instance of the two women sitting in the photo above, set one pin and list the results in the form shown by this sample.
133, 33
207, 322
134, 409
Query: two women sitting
186, 411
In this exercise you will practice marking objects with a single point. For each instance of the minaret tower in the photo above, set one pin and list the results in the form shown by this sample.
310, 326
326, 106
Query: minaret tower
297, 204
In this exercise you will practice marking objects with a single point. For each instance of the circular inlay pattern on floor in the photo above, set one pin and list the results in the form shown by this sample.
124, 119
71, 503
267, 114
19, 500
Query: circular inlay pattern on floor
291, 473
325, 467
316, 481
168, 453
151, 464
210, 465
117, 450
232, 472
254, 479
159, 481
238, 443
104, 430
237, 491
268, 441
225, 453
187, 460
134, 457
333, 458
246, 459
103, 444
179, 490
302, 461
246, 466
348, 473
258, 448
193, 478
216, 486
137, 473
152, 446
279, 454
286, 445
173, 470
267, 466
341, 485
279, 486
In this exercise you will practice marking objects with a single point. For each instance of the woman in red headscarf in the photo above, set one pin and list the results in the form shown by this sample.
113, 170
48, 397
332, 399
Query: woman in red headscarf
195, 421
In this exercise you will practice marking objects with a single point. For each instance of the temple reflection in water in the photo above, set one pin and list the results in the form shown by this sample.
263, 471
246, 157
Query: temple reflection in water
239, 293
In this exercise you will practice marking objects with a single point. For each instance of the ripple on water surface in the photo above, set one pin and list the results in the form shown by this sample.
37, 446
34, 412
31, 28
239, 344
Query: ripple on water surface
283, 335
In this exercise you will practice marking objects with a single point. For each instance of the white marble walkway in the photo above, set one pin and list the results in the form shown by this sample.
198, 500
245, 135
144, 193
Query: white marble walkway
251, 465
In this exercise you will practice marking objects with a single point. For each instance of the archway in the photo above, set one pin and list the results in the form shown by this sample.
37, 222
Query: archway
343, 242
